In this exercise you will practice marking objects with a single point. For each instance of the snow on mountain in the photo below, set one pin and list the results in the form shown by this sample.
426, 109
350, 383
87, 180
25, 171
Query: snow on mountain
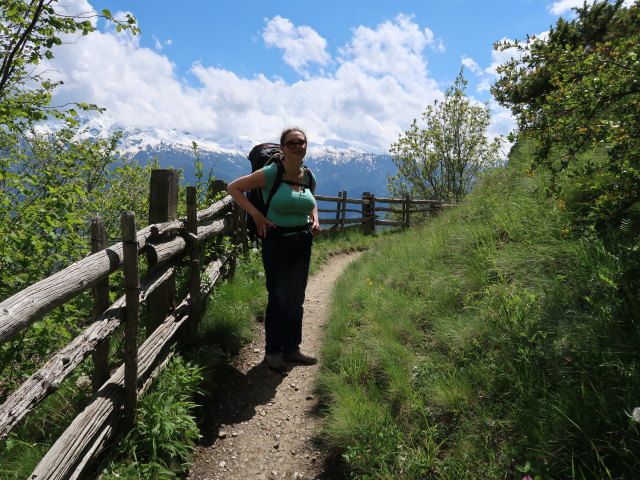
336, 169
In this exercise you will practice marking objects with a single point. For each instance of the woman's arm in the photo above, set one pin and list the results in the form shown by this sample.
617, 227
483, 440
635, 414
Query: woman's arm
315, 221
237, 188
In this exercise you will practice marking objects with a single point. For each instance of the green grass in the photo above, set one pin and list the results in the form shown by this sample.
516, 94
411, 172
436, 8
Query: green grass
493, 342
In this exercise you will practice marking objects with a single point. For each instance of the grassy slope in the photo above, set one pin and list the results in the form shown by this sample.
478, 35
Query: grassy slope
491, 343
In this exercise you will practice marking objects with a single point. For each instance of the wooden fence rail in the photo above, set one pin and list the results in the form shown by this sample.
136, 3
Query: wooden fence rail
167, 244
369, 209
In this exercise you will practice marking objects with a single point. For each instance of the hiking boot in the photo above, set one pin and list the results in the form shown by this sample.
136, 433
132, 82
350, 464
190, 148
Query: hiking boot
275, 362
299, 357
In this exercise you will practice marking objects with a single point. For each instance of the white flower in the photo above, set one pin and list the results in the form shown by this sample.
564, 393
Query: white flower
636, 414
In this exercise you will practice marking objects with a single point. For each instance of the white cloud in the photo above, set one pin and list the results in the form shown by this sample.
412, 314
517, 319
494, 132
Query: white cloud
558, 8
394, 48
376, 86
563, 6
75, 8
159, 45
472, 65
301, 45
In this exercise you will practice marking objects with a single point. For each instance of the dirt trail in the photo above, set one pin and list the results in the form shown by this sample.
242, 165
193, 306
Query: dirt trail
263, 427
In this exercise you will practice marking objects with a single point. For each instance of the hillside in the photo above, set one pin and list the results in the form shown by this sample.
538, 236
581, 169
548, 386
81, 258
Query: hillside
496, 341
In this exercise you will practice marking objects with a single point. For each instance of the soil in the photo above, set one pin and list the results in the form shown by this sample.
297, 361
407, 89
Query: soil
265, 426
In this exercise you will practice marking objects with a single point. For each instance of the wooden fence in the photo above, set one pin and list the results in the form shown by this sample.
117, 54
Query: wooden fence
369, 208
167, 244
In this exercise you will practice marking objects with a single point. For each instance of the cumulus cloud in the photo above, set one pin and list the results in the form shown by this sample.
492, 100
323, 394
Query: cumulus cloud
377, 84
302, 45
394, 48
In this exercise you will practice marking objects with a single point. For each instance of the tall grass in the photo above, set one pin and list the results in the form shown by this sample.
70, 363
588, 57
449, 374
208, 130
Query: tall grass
494, 342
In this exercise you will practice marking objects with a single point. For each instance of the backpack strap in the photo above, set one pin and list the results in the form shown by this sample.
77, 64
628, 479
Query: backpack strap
311, 185
276, 184
312, 179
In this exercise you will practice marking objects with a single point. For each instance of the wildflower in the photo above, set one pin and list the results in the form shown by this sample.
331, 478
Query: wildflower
527, 477
635, 415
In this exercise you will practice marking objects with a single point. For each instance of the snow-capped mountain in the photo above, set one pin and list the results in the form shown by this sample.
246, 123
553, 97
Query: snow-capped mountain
336, 169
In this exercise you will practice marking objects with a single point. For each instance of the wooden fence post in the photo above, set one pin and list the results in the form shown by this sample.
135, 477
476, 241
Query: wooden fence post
235, 237
343, 213
100, 304
163, 206
132, 294
338, 210
372, 199
244, 235
366, 213
194, 261
406, 210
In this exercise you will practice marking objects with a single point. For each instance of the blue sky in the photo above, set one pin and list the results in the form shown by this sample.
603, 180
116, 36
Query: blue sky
354, 73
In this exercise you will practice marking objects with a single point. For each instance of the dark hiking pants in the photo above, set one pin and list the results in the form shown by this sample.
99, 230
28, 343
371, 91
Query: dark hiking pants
286, 266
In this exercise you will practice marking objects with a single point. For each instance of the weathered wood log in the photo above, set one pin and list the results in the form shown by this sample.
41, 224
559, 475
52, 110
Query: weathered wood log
68, 456
339, 207
194, 260
29, 305
406, 215
389, 209
215, 208
324, 198
212, 273
132, 294
169, 249
48, 378
100, 305
106, 407
163, 207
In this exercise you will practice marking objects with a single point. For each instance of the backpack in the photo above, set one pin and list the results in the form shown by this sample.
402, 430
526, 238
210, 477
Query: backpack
261, 156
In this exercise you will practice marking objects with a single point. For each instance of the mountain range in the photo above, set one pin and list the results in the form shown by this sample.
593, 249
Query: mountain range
336, 169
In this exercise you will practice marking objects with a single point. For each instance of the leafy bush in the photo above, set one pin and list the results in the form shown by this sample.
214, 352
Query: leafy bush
165, 432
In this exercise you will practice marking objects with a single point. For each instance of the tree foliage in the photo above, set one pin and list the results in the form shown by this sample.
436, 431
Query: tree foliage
29, 32
51, 183
442, 159
578, 91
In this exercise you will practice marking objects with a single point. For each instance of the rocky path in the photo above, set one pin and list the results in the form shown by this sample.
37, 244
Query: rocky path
263, 425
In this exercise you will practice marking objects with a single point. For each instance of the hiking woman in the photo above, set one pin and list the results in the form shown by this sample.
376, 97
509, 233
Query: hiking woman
287, 230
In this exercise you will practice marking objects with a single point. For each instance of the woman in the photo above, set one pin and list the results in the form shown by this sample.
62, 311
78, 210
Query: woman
287, 230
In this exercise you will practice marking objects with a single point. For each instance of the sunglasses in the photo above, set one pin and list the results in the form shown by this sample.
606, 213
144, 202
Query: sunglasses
295, 143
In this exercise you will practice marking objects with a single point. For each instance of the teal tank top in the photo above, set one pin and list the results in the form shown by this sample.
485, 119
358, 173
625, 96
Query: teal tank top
288, 208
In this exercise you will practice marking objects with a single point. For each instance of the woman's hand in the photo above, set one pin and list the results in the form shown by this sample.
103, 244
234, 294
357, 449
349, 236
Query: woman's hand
262, 224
